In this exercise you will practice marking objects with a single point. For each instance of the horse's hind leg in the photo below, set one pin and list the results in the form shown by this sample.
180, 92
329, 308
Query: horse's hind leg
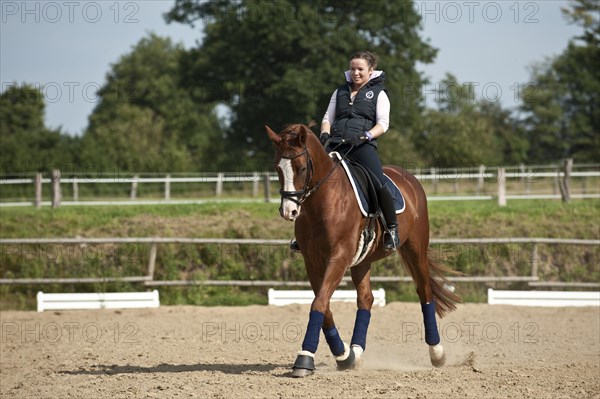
361, 275
415, 257
343, 356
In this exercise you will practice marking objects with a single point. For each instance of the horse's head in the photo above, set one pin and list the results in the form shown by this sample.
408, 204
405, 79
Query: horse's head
294, 167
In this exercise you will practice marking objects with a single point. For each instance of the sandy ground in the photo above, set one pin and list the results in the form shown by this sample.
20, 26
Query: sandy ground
245, 352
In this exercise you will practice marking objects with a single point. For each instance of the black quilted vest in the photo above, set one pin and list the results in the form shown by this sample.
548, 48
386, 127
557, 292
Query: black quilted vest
354, 118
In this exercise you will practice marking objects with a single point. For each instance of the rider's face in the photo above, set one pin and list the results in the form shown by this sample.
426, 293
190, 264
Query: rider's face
360, 72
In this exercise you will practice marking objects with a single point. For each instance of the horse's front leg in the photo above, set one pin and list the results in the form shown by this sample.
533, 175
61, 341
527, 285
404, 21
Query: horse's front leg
361, 277
320, 317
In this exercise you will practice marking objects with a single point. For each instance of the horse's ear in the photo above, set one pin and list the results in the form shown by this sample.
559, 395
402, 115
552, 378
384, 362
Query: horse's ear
275, 138
302, 135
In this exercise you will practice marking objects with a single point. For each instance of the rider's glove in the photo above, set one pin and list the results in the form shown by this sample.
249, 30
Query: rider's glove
358, 140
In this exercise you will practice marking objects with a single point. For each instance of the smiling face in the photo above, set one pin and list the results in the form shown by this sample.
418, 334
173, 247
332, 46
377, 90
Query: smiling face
360, 72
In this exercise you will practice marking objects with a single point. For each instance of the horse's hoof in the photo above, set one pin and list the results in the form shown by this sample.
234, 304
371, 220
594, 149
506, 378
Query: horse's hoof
304, 365
301, 373
347, 360
437, 355
358, 352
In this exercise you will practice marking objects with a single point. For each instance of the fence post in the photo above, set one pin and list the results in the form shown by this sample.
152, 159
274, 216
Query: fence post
255, 183
56, 194
525, 178
152, 261
38, 190
134, 185
168, 187
433, 180
501, 187
480, 179
534, 260
267, 187
219, 184
565, 191
75, 189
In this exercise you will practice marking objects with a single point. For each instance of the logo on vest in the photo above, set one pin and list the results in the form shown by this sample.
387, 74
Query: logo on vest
369, 94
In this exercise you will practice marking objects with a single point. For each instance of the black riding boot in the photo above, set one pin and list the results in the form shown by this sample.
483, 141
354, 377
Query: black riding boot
391, 240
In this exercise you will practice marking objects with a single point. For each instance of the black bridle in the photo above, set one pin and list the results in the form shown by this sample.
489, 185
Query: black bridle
306, 191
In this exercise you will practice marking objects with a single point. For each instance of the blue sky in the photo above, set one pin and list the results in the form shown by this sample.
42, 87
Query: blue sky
67, 47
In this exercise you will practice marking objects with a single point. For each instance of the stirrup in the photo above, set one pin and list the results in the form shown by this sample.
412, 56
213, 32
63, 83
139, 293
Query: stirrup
391, 240
294, 246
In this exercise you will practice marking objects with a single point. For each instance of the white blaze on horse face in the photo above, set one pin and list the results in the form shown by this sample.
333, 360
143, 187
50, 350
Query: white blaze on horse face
289, 209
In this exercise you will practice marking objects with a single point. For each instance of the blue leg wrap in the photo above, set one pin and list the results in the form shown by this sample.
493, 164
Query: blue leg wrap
334, 341
313, 330
361, 325
431, 331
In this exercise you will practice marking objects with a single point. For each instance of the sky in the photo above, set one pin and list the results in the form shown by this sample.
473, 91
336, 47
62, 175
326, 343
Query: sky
67, 47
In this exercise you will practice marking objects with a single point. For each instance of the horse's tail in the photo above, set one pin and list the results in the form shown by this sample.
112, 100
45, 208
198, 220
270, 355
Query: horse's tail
443, 291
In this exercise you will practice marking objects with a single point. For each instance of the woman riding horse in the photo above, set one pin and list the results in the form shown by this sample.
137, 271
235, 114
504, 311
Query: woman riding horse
333, 237
358, 113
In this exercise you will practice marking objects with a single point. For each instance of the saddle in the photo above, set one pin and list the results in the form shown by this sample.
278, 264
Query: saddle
364, 189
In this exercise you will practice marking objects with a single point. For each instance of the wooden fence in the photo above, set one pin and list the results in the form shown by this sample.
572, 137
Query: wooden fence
154, 242
481, 179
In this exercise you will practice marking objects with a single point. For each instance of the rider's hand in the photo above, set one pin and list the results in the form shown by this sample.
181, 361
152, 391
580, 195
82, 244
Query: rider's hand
324, 137
358, 140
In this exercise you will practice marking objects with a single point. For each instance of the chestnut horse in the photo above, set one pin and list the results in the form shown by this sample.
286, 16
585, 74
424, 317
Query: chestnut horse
317, 195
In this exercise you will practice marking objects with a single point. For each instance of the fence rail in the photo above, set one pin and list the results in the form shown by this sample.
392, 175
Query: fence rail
252, 177
154, 242
488, 183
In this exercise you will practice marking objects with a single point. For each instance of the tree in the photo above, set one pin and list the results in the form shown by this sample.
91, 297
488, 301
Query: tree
26, 144
133, 139
510, 137
277, 62
585, 13
562, 104
466, 131
148, 117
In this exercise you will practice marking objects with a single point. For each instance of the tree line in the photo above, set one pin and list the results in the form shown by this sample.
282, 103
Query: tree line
167, 109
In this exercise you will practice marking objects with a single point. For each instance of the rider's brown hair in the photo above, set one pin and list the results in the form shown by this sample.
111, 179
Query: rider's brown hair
368, 56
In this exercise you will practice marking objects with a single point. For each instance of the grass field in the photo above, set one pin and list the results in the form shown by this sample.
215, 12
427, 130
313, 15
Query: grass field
526, 218
578, 219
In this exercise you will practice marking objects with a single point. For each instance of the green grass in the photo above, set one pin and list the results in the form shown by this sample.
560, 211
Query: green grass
521, 218
205, 220
472, 219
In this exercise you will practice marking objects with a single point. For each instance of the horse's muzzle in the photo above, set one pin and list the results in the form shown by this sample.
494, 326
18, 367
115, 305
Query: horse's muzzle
289, 210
